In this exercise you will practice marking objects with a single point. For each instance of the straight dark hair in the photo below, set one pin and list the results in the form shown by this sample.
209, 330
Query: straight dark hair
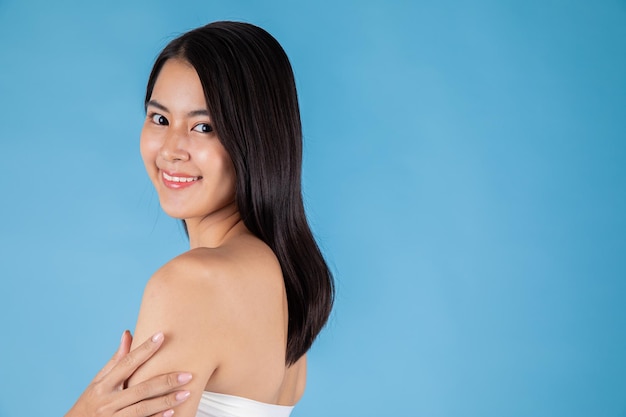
251, 96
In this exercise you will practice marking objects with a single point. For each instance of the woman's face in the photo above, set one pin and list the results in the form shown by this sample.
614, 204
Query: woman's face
185, 160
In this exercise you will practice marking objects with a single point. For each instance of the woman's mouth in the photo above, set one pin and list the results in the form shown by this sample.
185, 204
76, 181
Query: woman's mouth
178, 181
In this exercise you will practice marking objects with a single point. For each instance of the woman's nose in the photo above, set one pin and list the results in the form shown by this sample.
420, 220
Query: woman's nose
173, 148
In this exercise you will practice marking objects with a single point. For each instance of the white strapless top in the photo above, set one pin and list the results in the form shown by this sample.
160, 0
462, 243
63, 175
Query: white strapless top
213, 404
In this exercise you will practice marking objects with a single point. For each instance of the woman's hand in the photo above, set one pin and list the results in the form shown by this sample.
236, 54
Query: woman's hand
107, 396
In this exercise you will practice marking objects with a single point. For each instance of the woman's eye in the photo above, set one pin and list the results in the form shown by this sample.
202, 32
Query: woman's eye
159, 119
203, 128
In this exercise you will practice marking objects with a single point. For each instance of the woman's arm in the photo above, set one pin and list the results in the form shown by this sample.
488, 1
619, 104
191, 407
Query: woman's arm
106, 396
182, 300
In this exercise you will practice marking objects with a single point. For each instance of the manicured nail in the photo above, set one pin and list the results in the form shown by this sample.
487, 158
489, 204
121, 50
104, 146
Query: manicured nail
168, 413
182, 395
157, 337
184, 378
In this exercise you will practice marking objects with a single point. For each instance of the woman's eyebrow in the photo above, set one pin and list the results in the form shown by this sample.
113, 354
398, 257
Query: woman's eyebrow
193, 113
158, 105
202, 112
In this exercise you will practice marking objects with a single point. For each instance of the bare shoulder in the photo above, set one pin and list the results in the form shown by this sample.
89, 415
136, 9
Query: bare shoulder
181, 299
211, 288
187, 284
220, 269
221, 309
184, 300
233, 266
195, 266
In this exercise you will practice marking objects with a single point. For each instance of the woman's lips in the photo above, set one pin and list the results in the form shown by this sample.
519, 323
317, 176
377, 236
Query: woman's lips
177, 181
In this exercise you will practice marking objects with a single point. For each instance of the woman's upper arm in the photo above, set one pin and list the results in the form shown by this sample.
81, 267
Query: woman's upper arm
182, 301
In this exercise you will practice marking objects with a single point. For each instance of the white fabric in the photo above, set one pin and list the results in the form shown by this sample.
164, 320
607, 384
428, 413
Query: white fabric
213, 404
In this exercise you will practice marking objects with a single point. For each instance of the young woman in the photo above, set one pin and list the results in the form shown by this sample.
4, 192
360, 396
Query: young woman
222, 145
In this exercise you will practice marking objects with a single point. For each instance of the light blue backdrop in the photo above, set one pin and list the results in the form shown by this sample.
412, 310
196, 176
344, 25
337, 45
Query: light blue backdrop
465, 173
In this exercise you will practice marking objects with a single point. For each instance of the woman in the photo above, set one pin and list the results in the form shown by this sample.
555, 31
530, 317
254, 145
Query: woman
222, 145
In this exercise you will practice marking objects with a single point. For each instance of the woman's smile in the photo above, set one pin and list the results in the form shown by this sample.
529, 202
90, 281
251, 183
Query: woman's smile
177, 181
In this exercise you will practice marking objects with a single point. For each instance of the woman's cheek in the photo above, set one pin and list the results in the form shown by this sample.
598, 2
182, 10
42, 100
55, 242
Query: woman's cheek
149, 148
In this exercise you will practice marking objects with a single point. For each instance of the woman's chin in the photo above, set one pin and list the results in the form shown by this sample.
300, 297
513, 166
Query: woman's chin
175, 213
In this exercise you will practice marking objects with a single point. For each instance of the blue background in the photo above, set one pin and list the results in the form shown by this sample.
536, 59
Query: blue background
465, 173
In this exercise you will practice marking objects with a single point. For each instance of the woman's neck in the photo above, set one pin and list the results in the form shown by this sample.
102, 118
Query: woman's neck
212, 231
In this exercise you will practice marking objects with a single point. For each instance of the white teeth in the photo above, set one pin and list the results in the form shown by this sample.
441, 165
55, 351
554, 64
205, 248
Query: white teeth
179, 179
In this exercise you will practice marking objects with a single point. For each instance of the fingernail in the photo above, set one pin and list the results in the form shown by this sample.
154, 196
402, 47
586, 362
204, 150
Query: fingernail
157, 337
184, 378
168, 413
182, 395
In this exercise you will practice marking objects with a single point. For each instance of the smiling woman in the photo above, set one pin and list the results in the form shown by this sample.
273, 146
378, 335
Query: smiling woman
222, 145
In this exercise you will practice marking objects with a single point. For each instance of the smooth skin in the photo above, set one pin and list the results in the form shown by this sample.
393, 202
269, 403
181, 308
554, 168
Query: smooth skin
106, 397
222, 305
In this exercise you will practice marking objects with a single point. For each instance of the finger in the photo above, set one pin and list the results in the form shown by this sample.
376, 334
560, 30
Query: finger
127, 340
115, 358
126, 365
168, 413
151, 388
160, 406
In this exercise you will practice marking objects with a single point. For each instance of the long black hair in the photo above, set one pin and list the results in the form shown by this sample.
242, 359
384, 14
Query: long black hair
251, 95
